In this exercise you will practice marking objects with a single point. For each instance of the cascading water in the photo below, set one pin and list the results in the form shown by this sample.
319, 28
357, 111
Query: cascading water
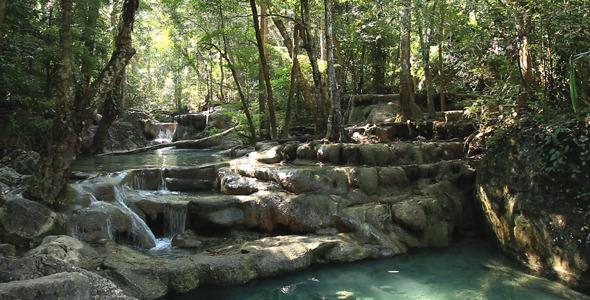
164, 132
138, 226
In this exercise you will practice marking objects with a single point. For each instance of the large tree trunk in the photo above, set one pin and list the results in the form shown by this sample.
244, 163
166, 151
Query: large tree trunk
334, 132
266, 71
111, 110
74, 116
319, 95
406, 83
265, 131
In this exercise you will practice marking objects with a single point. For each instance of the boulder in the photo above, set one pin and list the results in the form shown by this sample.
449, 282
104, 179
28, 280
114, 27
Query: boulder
232, 183
26, 278
187, 239
104, 220
24, 223
23, 162
12, 181
70, 250
66, 285
539, 216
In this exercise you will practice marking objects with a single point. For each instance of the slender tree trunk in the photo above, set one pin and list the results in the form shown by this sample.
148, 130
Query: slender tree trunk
441, 70
266, 71
74, 116
319, 95
111, 110
302, 83
292, 88
2, 14
425, 40
236, 77
334, 132
524, 62
379, 59
265, 131
406, 83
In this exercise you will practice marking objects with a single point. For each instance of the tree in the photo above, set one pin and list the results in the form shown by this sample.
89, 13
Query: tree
406, 86
425, 25
334, 132
265, 71
75, 111
2, 13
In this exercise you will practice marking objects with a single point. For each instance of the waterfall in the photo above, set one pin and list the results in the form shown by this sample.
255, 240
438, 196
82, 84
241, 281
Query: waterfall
149, 179
174, 220
164, 132
138, 225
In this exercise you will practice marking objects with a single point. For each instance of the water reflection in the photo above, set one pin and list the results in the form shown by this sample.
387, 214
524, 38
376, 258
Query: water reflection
470, 269
167, 157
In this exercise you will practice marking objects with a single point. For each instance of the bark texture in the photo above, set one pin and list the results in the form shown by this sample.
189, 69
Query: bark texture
74, 114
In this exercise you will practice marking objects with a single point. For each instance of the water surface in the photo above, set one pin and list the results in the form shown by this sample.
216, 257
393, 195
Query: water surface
470, 269
162, 158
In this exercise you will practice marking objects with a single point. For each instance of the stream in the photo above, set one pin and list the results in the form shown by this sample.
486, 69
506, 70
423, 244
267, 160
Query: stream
468, 269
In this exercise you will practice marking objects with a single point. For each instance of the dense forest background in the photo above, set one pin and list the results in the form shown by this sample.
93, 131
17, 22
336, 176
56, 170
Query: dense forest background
269, 62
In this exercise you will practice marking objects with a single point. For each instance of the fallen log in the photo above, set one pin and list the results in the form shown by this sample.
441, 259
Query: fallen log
190, 143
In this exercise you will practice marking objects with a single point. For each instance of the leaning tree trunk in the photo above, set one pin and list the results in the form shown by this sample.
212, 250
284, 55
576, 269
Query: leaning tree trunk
301, 81
294, 69
266, 72
406, 83
111, 109
75, 114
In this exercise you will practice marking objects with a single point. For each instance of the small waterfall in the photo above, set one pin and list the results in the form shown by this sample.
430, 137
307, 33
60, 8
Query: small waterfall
164, 132
139, 224
149, 179
174, 220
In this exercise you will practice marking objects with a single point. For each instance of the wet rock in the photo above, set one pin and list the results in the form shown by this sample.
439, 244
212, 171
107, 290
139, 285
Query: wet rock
16, 275
24, 223
185, 185
217, 211
104, 220
187, 239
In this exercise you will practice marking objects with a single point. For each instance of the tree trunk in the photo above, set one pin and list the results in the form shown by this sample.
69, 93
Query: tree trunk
425, 41
265, 131
302, 83
441, 71
319, 95
234, 73
406, 83
524, 62
111, 109
2, 13
294, 70
334, 132
265, 70
74, 116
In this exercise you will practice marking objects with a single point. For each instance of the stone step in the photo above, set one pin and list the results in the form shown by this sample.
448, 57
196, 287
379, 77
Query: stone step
176, 178
242, 177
